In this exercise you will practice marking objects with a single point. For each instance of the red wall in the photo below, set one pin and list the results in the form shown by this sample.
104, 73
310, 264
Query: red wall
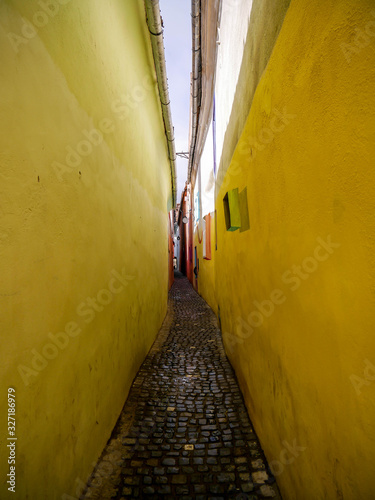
186, 235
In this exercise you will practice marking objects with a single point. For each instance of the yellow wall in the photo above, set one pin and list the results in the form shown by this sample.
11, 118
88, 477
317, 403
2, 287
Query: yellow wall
264, 25
234, 92
67, 230
306, 156
206, 277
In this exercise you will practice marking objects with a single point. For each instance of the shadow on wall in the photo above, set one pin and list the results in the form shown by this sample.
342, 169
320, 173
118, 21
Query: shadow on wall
267, 16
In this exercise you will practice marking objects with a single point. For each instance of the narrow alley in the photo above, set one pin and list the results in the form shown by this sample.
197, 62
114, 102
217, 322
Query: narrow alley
184, 431
187, 249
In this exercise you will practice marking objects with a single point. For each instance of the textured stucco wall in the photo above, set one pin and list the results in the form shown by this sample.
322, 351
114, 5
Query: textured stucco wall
248, 31
84, 228
206, 278
296, 291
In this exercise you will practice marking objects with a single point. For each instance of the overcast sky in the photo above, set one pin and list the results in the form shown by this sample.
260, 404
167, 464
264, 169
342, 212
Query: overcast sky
177, 41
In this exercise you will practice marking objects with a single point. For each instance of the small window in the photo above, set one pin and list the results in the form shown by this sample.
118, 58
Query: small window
207, 237
232, 210
236, 210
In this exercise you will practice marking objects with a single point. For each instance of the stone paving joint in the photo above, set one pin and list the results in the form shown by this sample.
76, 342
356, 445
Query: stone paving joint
184, 431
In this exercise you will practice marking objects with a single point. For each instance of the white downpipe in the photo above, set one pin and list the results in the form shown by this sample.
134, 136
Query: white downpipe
156, 35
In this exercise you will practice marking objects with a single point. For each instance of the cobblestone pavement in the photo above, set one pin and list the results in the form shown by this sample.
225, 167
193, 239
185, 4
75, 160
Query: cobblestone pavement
184, 431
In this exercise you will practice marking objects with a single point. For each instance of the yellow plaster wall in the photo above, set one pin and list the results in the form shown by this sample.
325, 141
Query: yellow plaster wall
306, 363
83, 240
264, 25
206, 278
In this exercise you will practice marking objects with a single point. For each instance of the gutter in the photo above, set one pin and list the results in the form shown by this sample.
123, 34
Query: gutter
155, 28
196, 84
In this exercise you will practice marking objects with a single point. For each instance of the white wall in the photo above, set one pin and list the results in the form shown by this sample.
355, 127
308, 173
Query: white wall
234, 25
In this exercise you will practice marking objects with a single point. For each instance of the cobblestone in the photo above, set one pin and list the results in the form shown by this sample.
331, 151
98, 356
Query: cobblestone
184, 431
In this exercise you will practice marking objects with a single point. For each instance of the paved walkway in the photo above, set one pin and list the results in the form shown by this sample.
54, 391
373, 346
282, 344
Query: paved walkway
184, 431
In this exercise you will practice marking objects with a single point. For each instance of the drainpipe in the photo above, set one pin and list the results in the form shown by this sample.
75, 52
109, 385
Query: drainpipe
155, 28
196, 84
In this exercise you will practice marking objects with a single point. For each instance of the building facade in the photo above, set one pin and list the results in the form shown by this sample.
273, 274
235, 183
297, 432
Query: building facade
86, 190
281, 173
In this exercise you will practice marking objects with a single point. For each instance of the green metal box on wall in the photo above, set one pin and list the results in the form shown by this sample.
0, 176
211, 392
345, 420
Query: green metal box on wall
232, 210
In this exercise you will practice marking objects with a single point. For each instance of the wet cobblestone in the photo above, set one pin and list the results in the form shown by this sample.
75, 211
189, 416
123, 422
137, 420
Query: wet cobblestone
184, 431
